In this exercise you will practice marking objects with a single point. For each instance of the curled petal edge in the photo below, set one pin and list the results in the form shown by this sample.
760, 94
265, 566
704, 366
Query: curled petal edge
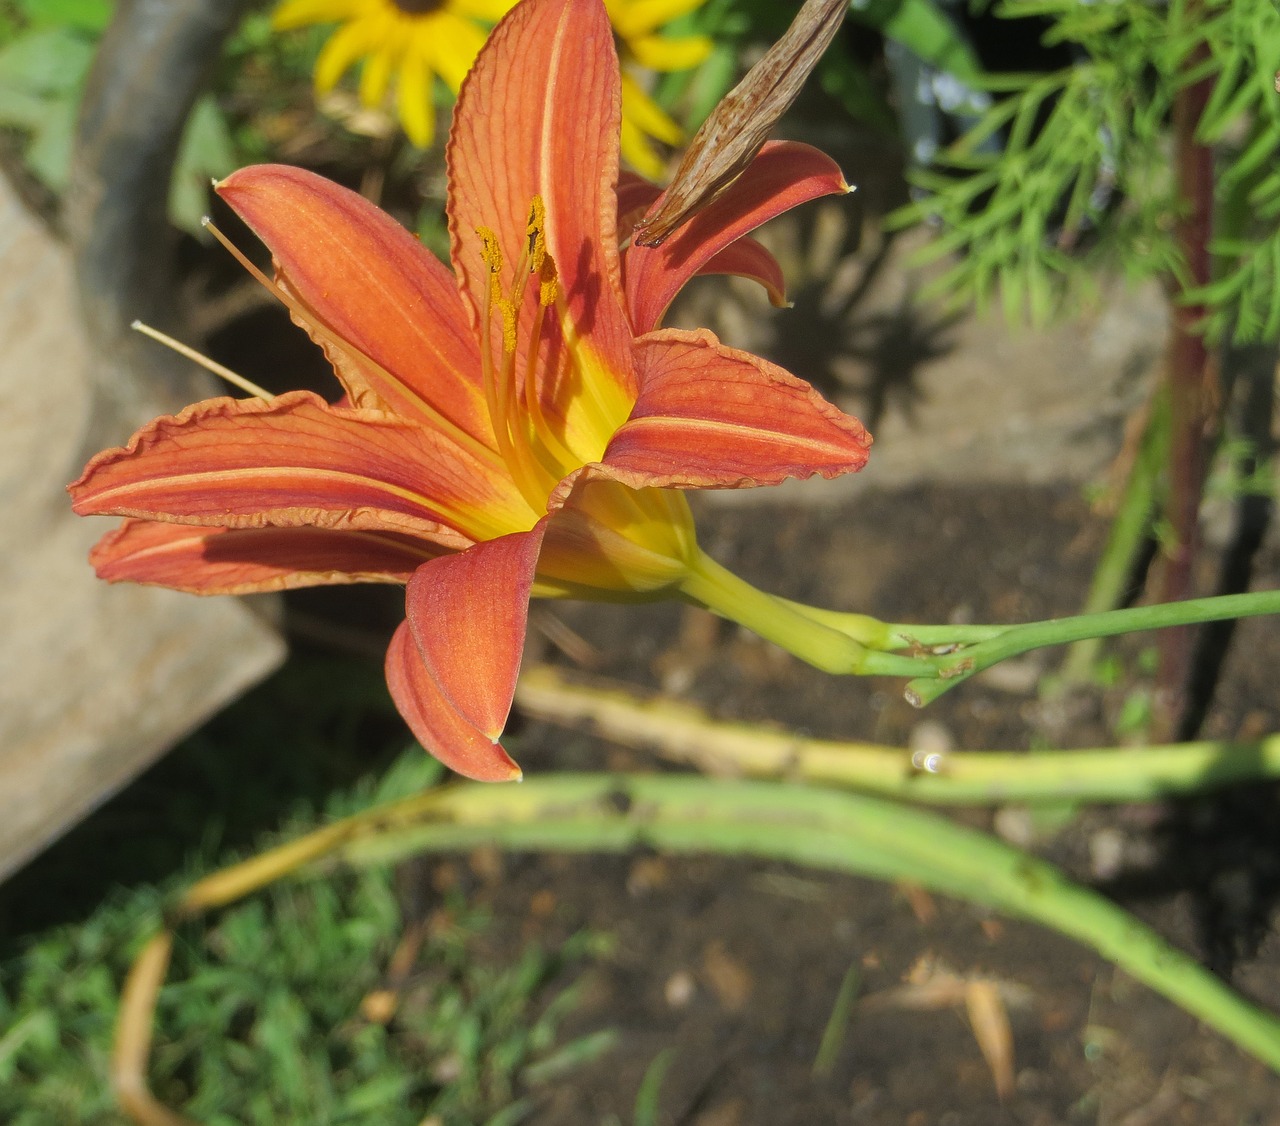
467, 615
434, 721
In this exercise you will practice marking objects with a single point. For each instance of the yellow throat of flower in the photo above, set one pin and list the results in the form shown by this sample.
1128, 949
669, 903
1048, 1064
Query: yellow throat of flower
630, 542
537, 456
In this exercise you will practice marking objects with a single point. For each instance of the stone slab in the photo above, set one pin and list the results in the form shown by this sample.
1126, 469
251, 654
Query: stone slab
96, 681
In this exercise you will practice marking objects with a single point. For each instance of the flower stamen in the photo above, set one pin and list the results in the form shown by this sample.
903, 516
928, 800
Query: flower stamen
533, 476
232, 377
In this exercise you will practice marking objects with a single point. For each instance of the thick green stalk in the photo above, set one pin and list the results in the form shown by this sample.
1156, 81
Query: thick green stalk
816, 827
875, 634
684, 734
689, 814
940, 656
943, 656
801, 634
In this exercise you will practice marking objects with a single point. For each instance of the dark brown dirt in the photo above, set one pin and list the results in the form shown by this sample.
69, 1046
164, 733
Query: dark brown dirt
735, 965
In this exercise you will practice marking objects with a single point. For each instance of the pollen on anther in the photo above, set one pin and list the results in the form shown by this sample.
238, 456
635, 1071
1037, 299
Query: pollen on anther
490, 251
535, 232
508, 312
549, 282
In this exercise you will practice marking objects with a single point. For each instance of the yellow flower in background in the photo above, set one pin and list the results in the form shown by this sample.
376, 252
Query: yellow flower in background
408, 40
636, 24
411, 41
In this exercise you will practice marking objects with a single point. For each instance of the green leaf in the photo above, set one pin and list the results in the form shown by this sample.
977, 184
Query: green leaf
849, 84
206, 153
649, 1096
49, 154
924, 30
22, 110
50, 61
80, 15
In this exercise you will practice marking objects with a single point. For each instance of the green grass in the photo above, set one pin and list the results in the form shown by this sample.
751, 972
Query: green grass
260, 1020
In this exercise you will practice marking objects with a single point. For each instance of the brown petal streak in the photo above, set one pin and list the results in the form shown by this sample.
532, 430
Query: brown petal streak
739, 125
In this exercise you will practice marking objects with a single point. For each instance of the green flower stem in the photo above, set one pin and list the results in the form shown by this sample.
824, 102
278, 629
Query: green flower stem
950, 670
816, 827
831, 650
684, 734
860, 645
875, 634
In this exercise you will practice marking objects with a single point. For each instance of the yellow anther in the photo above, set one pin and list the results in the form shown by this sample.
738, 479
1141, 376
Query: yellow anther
535, 232
508, 312
549, 281
490, 251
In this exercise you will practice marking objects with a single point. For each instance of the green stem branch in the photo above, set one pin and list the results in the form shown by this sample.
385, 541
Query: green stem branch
948, 671
1129, 529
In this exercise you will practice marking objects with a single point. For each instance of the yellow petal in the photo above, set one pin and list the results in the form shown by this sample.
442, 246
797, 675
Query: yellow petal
347, 45
451, 48
660, 53
638, 153
639, 17
646, 115
303, 13
417, 113
376, 77
490, 11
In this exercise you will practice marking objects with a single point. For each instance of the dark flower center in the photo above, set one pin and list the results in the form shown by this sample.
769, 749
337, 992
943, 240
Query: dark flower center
419, 7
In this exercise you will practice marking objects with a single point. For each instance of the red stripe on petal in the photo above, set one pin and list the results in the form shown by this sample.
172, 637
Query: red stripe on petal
250, 561
436, 723
783, 175
714, 417
468, 614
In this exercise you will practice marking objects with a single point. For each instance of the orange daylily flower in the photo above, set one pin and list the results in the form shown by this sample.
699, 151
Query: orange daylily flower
520, 427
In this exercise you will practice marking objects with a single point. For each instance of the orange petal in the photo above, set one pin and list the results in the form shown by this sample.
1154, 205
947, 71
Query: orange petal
783, 175
538, 115
745, 257
297, 461
376, 288
467, 616
435, 722
635, 197
713, 417
253, 560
